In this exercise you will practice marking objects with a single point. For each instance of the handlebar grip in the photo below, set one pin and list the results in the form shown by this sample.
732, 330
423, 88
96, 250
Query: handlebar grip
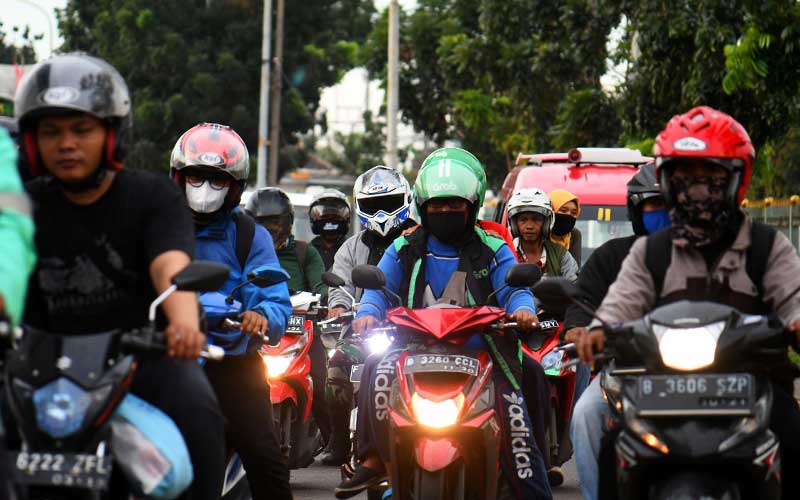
213, 352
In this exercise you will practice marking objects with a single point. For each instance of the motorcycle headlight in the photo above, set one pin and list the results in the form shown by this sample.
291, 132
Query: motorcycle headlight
378, 343
277, 365
61, 407
552, 360
437, 415
688, 348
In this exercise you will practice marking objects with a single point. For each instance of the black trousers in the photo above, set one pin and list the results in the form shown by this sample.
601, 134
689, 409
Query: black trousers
243, 392
785, 423
319, 375
181, 390
536, 390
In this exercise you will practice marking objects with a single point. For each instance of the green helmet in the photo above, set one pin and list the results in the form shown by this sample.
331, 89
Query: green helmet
450, 173
464, 156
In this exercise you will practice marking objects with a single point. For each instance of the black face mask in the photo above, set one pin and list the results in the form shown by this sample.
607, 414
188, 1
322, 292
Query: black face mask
563, 224
448, 227
329, 228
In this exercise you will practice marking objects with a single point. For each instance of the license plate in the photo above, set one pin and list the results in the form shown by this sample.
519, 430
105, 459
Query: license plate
76, 470
442, 363
548, 324
334, 328
355, 373
722, 394
295, 324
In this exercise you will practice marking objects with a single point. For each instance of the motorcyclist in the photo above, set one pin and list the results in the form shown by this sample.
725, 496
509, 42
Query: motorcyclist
648, 214
530, 218
329, 214
566, 210
382, 201
210, 164
704, 162
447, 193
110, 240
272, 209
16, 234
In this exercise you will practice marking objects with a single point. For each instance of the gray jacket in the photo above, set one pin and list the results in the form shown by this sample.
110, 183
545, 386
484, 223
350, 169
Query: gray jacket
352, 253
633, 294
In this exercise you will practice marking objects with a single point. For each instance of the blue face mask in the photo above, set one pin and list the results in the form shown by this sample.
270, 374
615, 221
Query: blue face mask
655, 220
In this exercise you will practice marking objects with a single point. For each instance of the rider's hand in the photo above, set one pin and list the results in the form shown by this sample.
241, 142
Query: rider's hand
410, 230
793, 327
254, 324
526, 320
184, 341
335, 312
573, 334
363, 324
590, 343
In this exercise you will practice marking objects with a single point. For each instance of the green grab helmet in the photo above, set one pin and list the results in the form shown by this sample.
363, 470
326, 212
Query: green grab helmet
465, 157
448, 178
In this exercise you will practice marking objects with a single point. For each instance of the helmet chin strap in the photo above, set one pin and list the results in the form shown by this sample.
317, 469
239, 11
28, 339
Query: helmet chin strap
87, 184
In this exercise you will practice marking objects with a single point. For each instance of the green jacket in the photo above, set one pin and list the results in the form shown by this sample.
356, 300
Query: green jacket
16, 232
309, 278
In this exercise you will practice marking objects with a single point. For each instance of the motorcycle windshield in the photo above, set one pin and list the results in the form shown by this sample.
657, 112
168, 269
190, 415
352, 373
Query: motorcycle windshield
446, 322
82, 358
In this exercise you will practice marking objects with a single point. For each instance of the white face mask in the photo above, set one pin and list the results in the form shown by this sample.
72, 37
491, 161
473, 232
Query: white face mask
204, 199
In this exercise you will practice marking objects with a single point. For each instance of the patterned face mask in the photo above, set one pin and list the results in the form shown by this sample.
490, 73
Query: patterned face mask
701, 215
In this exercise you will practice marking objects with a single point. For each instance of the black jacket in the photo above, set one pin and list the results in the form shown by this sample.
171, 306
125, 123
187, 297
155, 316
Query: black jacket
596, 276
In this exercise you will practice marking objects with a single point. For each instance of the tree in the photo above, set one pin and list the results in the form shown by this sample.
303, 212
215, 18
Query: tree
493, 75
189, 62
10, 54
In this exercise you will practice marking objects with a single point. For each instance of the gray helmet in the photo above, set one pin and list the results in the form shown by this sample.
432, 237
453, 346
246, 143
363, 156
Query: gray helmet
270, 202
75, 82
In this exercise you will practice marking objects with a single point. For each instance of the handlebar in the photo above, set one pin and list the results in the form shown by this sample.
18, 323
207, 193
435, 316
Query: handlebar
134, 342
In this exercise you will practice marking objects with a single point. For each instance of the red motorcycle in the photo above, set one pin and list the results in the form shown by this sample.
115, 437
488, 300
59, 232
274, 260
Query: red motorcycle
444, 429
291, 388
544, 346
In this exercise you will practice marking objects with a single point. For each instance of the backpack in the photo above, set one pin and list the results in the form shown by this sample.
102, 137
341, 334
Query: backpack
658, 255
245, 231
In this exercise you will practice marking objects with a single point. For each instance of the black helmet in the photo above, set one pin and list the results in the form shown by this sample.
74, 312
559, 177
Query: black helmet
328, 209
271, 204
75, 82
642, 186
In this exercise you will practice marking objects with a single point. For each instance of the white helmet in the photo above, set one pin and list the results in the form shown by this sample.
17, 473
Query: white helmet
530, 200
383, 199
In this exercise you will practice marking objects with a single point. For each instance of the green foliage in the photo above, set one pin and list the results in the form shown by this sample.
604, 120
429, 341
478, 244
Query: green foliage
357, 152
188, 62
25, 54
586, 117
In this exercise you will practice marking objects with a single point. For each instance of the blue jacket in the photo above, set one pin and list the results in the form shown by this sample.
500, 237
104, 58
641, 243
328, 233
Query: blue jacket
441, 263
217, 242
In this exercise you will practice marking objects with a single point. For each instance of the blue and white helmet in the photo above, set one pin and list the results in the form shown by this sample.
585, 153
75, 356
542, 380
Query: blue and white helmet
383, 199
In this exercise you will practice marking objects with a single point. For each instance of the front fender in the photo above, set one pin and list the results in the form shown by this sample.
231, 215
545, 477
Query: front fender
436, 454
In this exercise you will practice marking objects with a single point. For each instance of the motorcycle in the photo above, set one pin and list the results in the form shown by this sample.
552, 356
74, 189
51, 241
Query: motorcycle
222, 315
67, 395
444, 430
544, 346
690, 400
288, 367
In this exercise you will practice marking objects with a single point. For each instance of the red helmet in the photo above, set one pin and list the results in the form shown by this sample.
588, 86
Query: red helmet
710, 135
211, 147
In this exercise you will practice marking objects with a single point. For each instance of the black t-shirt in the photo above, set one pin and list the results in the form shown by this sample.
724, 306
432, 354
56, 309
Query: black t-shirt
93, 269
327, 253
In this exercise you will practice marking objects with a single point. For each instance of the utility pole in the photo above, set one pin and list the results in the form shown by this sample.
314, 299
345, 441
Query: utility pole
263, 105
393, 83
277, 81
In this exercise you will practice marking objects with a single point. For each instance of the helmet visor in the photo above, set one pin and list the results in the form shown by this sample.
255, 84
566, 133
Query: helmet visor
388, 204
329, 209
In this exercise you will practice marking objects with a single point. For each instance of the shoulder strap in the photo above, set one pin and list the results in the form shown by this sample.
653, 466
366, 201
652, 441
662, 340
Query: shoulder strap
300, 251
245, 231
658, 255
762, 238
555, 253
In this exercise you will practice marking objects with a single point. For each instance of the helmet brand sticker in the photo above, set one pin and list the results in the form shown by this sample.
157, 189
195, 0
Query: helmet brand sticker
689, 144
443, 187
377, 188
59, 95
210, 159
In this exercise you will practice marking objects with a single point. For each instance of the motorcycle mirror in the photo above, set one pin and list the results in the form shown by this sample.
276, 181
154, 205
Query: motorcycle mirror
555, 290
264, 276
332, 279
201, 276
523, 275
368, 277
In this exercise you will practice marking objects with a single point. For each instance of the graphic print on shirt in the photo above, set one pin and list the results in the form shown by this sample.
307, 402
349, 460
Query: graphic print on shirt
79, 283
